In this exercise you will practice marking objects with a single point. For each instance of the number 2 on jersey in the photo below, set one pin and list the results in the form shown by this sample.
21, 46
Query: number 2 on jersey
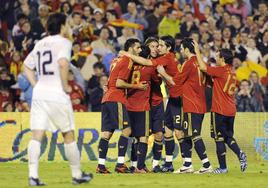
45, 55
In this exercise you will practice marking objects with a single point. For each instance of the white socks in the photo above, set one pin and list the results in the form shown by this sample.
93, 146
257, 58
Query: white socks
73, 156
34, 150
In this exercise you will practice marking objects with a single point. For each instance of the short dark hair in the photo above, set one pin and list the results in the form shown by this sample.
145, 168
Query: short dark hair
21, 16
169, 41
99, 65
76, 13
130, 42
245, 80
188, 43
54, 23
145, 51
150, 40
227, 55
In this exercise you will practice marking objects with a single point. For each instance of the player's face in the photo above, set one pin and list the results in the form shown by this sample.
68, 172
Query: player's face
182, 50
162, 48
136, 48
154, 49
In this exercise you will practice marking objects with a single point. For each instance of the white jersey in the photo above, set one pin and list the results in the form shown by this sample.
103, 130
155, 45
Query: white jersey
44, 58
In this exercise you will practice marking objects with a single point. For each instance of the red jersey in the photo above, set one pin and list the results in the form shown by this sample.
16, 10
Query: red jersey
170, 64
120, 69
193, 86
139, 100
224, 84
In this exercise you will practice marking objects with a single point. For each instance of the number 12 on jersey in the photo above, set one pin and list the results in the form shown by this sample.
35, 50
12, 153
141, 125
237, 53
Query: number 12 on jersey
44, 59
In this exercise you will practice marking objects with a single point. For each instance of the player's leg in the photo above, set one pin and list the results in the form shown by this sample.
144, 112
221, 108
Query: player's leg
157, 127
142, 131
107, 132
34, 150
168, 139
133, 157
123, 124
231, 142
184, 136
199, 145
73, 155
216, 123
39, 123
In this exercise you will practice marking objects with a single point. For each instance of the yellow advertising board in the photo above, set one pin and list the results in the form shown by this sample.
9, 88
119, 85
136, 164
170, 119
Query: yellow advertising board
251, 132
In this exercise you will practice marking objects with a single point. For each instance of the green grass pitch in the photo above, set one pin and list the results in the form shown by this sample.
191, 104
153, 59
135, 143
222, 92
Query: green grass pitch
57, 175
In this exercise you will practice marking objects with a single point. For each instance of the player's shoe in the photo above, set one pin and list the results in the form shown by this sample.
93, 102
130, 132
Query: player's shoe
157, 169
167, 168
220, 171
141, 171
122, 168
85, 178
35, 182
102, 170
132, 169
243, 161
204, 170
146, 169
185, 170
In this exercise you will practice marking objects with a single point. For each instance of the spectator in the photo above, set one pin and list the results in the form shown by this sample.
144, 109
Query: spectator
21, 18
6, 79
15, 66
257, 91
154, 19
38, 25
244, 100
238, 7
98, 22
188, 26
254, 54
99, 70
170, 24
97, 94
127, 33
103, 45
66, 8
136, 17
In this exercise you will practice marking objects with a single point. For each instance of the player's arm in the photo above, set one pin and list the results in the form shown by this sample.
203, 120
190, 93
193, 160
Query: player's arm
28, 67
161, 70
64, 70
123, 84
201, 63
137, 59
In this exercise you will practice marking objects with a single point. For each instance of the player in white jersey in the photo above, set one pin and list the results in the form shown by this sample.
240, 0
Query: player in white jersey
51, 106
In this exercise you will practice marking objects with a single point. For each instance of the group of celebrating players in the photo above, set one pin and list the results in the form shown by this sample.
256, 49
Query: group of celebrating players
133, 103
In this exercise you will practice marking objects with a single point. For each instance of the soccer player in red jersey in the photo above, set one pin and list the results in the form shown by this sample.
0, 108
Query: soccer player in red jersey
114, 114
223, 108
173, 111
138, 107
194, 108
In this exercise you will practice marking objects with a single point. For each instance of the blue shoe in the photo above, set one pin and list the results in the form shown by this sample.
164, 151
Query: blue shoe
35, 182
167, 168
220, 171
243, 161
85, 178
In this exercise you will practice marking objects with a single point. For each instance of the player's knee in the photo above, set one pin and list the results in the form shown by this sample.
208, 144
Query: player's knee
179, 134
126, 132
38, 135
158, 136
106, 135
143, 139
168, 132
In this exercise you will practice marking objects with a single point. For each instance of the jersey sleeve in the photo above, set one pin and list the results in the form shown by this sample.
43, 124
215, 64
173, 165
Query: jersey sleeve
160, 61
214, 71
30, 60
65, 50
125, 69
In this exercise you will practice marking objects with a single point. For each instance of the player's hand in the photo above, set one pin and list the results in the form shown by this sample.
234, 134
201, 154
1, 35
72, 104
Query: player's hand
105, 88
122, 53
196, 47
141, 85
68, 89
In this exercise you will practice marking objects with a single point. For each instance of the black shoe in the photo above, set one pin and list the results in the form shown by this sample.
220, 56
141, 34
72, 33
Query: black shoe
35, 182
132, 169
157, 169
243, 161
85, 178
167, 168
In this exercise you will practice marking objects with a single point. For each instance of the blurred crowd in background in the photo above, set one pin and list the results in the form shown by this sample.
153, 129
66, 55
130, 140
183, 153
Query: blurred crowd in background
99, 29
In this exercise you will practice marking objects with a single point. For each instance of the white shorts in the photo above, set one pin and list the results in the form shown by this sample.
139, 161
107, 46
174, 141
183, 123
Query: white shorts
51, 116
